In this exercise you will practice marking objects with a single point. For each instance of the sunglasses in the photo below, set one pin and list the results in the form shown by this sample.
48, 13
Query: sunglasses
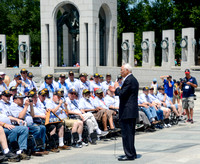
23, 72
73, 93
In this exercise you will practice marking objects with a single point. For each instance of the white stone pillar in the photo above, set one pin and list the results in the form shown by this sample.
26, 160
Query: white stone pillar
45, 45
97, 46
128, 55
92, 47
109, 48
168, 48
188, 48
3, 52
83, 43
148, 52
24, 51
115, 46
53, 44
65, 46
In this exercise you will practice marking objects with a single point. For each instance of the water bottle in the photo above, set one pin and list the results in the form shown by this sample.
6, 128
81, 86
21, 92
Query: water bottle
25, 123
20, 123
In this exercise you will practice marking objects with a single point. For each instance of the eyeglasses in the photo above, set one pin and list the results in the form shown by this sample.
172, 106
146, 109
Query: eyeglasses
73, 93
23, 72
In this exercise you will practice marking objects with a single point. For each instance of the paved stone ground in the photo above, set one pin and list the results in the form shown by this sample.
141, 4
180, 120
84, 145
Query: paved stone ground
176, 145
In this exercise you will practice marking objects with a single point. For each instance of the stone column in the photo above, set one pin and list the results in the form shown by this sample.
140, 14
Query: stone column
148, 52
115, 45
128, 55
24, 51
53, 44
92, 47
83, 43
3, 52
168, 48
65, 46
188, 49
45, 45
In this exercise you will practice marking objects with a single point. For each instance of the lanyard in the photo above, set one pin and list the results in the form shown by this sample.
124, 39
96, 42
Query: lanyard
50, 85
65, 84
74, 103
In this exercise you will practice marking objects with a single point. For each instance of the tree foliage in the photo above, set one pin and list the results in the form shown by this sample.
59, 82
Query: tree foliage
20, 17
23, 17
157, 15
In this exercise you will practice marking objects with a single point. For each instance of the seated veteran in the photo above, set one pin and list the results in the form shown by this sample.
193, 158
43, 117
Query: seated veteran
111, 100
13, 91
40, 112
100, 104
11, 157
58, 107
88, 118
86, 104
49, 84
26, 112
14, 133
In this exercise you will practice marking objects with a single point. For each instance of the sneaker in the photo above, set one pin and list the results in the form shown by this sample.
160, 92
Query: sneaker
2, 158
24, 156
84, 144
188, 120
103, 133
138, 126
191, 121
12, 157
165, 126
115, 130
77, 145
93, 142
169, 125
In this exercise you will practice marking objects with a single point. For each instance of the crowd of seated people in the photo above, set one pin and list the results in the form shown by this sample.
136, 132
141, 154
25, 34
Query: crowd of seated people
160, 104
69, 113
57, 116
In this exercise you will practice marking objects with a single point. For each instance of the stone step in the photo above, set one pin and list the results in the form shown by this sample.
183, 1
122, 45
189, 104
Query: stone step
56, 75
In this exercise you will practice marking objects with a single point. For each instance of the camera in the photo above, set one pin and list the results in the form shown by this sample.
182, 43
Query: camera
182, 80
30, 99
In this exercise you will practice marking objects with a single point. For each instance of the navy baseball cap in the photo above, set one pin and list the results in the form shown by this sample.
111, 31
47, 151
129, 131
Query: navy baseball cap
187, 71
145, 89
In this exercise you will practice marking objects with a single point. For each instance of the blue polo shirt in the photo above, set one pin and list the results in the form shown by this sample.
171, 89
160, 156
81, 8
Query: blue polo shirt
188, 90
168, 90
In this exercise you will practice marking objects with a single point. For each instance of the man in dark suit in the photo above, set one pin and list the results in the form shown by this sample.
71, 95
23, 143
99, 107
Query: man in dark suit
128, 111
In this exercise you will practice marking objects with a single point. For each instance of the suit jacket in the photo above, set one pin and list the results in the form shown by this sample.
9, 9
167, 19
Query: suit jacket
128, 95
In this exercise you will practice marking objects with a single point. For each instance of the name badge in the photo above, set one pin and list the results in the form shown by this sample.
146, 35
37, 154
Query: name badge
187, 87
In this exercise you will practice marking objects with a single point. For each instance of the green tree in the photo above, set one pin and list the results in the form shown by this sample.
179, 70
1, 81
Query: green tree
21, 17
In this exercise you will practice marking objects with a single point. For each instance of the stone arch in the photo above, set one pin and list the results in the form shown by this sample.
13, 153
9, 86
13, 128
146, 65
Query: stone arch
105, 18
67, 41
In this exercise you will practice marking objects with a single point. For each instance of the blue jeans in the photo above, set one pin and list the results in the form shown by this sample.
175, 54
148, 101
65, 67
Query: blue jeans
20, 134
150, 112
159, 114
38, 131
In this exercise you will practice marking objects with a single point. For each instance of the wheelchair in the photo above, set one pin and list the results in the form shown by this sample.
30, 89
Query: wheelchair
173, 120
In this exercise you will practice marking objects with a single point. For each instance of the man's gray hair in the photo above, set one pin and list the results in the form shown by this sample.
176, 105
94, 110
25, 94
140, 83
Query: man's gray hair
128, 67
